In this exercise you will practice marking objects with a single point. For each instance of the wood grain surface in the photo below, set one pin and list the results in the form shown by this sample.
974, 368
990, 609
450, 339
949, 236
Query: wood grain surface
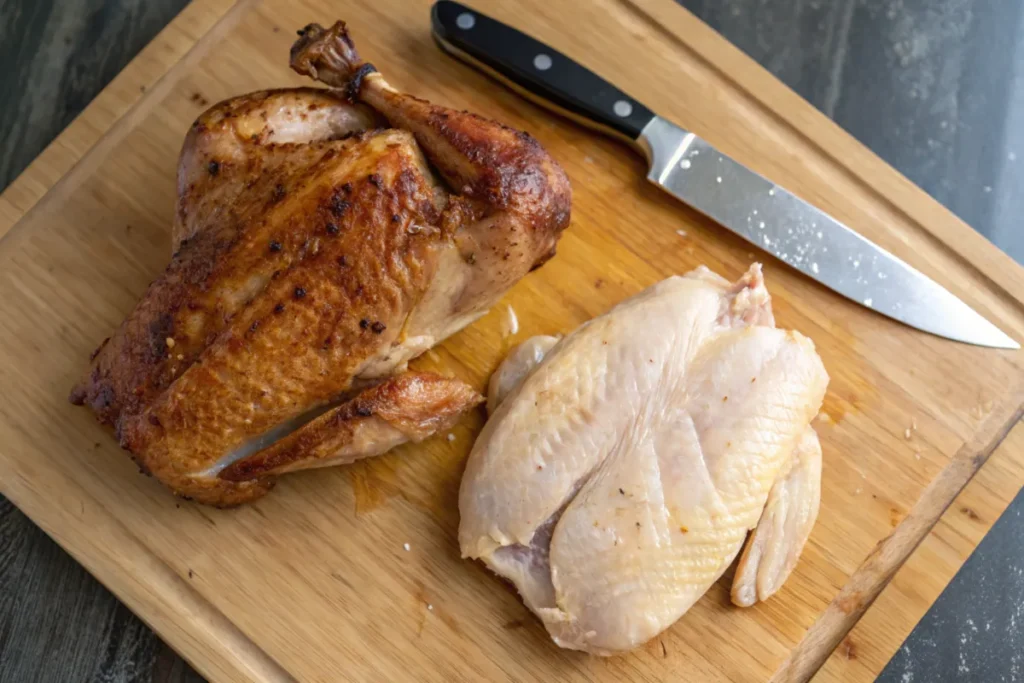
622, 239
877, 570
863, 653
56, 622
118, 98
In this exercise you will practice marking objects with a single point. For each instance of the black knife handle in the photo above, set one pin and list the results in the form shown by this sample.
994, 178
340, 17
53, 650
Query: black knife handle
534, 70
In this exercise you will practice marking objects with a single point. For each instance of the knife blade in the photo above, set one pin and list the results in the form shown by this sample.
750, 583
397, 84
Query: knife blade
691, 170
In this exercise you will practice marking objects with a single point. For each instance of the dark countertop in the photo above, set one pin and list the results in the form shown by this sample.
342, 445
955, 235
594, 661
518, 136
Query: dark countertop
935, 87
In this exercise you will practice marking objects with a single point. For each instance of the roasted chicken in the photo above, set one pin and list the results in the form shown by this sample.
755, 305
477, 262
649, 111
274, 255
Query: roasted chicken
624, 465
322, 239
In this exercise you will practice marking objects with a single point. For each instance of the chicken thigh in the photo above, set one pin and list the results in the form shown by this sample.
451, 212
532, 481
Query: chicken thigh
618, 479
322, 239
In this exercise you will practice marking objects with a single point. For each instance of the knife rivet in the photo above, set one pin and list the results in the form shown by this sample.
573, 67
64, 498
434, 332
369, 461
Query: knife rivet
542, 62
465, 21
622, 108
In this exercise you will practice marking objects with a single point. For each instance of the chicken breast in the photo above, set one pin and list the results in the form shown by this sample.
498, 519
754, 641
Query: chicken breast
322, 239
619, 479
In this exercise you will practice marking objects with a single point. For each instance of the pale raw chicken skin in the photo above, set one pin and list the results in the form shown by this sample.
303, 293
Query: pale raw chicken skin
619, 479
774, 548
519, 363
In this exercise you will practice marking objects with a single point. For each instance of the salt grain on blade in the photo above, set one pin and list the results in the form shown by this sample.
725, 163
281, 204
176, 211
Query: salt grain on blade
451, 437
906, 434
681, 233
407, 547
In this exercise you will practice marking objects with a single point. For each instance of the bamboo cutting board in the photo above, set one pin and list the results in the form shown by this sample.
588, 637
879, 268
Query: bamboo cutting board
313, 583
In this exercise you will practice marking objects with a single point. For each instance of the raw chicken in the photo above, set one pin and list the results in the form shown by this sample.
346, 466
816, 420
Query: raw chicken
774, 547
618, 480
519, 363
322, 239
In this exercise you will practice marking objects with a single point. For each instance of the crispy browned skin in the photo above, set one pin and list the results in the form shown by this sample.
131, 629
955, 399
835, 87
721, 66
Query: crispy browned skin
316, 252
408, 407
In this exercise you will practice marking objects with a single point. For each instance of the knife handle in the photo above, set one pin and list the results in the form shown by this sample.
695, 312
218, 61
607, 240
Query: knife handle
536, 71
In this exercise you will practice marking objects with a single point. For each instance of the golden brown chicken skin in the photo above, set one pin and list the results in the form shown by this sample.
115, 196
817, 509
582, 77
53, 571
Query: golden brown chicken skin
322, 239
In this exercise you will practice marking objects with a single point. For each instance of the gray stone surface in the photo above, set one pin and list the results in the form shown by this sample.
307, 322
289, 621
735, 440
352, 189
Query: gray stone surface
935, 87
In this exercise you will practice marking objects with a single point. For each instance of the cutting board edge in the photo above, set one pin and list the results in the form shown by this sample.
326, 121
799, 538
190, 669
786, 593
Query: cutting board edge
191, 603
176, 620
117, 579
130, 80
877, 570
189, 610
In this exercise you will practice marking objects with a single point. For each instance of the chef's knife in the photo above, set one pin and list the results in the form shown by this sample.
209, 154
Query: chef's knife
693, 171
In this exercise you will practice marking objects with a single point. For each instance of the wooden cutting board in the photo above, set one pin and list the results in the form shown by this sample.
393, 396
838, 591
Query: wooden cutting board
313, 583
